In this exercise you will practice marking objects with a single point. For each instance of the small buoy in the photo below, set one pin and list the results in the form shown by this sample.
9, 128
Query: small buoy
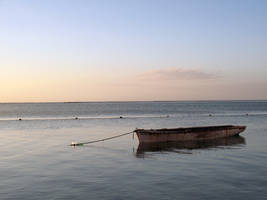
210, 115
167, 116
19, 119
247, 114
76, 118
74, 144
121, 117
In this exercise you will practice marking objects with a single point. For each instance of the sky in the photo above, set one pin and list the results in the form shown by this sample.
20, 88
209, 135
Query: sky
110, 50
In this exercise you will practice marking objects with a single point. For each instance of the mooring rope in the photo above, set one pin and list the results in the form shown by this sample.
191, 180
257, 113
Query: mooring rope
95, 141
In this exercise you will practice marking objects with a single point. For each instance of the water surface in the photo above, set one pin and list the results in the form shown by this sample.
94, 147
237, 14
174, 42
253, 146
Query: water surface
38, 163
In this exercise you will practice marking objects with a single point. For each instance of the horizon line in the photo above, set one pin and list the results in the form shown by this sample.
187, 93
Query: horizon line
107, 101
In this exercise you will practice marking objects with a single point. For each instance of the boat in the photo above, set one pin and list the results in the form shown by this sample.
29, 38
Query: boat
187, 134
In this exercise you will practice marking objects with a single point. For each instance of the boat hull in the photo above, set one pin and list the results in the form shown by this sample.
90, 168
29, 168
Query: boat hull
187, 134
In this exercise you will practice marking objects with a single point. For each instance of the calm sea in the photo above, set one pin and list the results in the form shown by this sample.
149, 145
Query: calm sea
36, 161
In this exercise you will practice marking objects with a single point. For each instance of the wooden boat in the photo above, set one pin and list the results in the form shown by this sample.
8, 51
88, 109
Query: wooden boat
187, 134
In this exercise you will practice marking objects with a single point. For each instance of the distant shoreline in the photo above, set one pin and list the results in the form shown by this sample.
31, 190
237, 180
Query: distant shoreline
132, 101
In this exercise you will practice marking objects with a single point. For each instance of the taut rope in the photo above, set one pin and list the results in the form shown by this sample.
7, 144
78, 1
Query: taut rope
95, 141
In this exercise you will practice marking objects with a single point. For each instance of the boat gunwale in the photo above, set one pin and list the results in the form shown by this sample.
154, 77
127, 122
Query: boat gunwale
188, 129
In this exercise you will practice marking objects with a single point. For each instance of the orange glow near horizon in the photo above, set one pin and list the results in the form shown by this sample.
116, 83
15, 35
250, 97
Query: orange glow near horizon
125, 87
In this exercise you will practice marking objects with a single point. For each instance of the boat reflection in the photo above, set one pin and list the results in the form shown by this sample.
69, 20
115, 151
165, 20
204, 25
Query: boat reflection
183, 147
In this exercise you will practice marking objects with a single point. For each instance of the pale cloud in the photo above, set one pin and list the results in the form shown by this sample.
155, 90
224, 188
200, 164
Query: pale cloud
177, 74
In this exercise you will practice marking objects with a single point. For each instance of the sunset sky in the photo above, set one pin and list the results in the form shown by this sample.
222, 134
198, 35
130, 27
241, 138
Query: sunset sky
63, 50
